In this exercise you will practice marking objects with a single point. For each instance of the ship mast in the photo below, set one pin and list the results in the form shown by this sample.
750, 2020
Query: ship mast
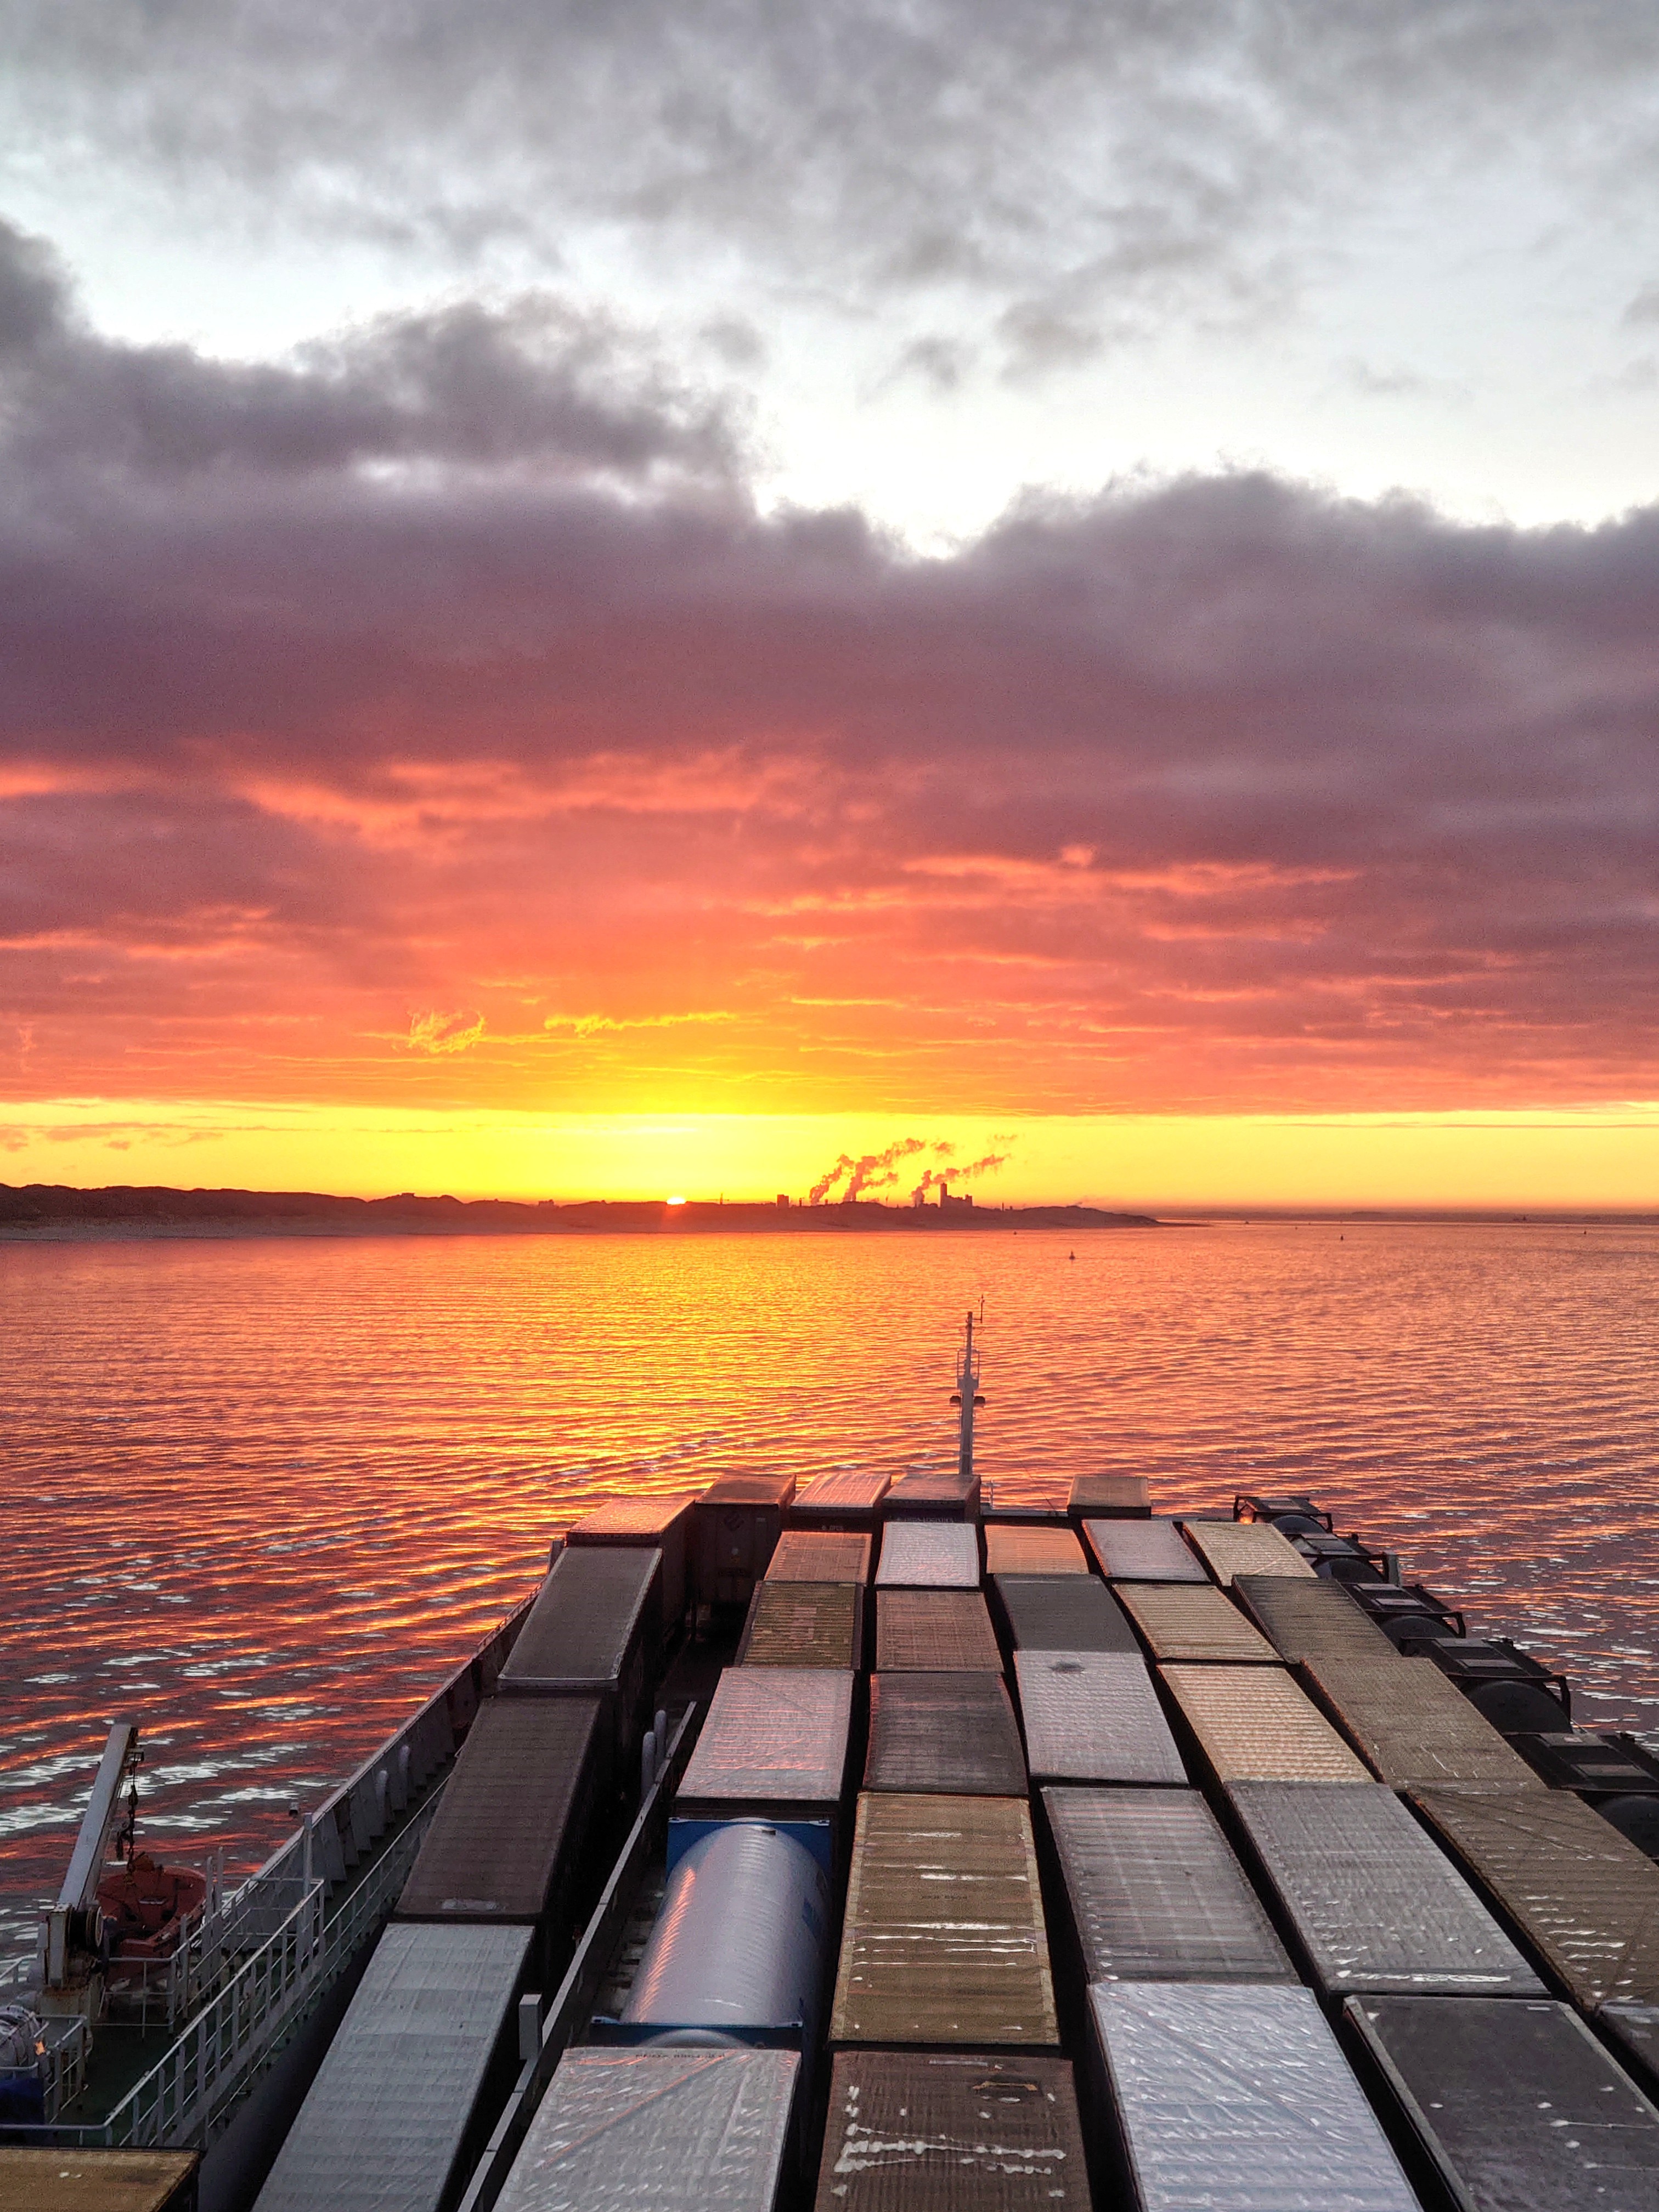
967, 1395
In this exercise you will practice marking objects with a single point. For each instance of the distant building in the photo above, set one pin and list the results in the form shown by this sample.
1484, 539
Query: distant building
949, 1204
783, 1202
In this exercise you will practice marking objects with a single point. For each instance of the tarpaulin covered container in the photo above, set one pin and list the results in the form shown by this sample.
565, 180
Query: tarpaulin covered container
951, 1732
1155, 1892
1585, 1900
738, 1948
1245, 1547
1313, 1620
1093, 1717
67, 2180
851, 1498
1375, 1904
681, 2131
774, 1742
1236, 2097
514, 1814
1063, 1612
928, 1628
1415, 1727
661, 1524
961, 2130
939, 1493
804, 1625
1253, 1724
1016, 1548
389, 2116
594, 1629
735, 1526
821, 1555
1179, 1622
1110, 1497
943, 1940
928, 1555
1516, 2105
1143, 1551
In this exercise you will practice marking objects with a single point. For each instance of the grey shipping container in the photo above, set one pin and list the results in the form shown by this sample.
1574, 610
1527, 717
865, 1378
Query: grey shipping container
1583, 1897
1093, 1717
928, 1555
1313, 1620
1019, 1548
514, 1814
1245, 1547
1253, 1724
1377, 1907
774, 1742
951, 1732
850, 1497
680, 2131
1201, 1626
1155, 1892
1415, 1727
386, 2119
1517, 2106
1234, 2097
962, 2130
933, 1493
1143, 1551
804, 1625
1107, 1496
1635, 2029
1063, 1612
661, 1524
735, 1527
820, 1555
943, 1940
931, 1628
595, 1629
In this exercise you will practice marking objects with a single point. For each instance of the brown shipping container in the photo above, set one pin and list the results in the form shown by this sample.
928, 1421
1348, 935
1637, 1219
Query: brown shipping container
1586, 1899
594, 1631
1315, 1619
1415, 1726
97, 2180
1181, 1621
1253, 1724
820, 1555
955, 1732
1245, 1547
661, 1523
1013, 1550
804, 1625
514, 1813
933, 1494
850, 1498
1110, 1497
944, 1941
961, 2130
926, 1628
735, 1527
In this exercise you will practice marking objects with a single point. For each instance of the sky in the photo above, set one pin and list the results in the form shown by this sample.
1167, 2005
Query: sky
609, 601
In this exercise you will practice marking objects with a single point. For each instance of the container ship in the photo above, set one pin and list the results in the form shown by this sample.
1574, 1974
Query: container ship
872, 1845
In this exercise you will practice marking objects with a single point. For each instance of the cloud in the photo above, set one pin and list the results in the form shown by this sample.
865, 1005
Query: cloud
432, 1031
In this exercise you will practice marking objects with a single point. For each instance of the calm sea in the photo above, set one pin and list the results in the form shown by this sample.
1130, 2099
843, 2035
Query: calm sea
264, 1493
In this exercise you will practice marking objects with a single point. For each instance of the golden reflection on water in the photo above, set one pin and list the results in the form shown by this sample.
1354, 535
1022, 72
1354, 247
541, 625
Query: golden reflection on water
264, 1492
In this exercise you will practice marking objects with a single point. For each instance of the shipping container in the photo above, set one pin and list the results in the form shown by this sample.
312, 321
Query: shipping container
1377, 1907
1143, 1551
1155, 1892
662, 1524
1516, 2106
1292, 1505
1236, 2097
1312, 1619
774, 1742
1063, 1612
933, 1494
944, 1941
515, 1813
1093, 1717
1180, 1623
680, 2131
804, 1625
1415, 1727
849, 1498
97, 2180
389, 2118
1634, 2030
735, 1527
954, 1733
820, 1555
1244, 1547
739, 1945
1253, 1724
928, 1555
1585, 1900
1017, 1549
594, 1629
923, 1628
951, 2131
1111, 1498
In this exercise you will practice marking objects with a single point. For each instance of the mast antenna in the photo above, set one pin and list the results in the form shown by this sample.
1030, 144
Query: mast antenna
967, 1394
